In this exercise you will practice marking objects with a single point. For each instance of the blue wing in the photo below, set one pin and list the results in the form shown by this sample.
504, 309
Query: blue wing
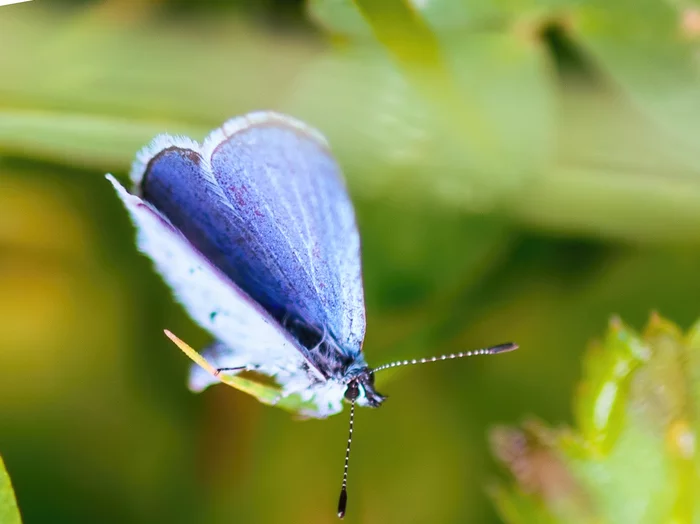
265, 202
255, 339
249, 337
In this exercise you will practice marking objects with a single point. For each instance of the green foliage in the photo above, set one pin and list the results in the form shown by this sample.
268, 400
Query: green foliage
632, 456
547, 106
538, 107
9, 513
520, 169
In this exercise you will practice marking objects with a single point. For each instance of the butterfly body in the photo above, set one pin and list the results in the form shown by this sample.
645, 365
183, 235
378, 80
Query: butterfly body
256, 235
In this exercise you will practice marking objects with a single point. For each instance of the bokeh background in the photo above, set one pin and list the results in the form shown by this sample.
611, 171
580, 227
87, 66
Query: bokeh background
521, 171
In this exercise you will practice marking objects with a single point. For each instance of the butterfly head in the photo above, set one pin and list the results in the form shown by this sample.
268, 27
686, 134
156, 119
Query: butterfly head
361, 388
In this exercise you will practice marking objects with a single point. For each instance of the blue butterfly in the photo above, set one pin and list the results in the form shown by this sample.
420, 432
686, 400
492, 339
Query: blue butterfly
255, 233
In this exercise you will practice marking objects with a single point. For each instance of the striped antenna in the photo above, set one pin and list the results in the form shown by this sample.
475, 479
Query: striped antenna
354, 391
343, 500
493, 350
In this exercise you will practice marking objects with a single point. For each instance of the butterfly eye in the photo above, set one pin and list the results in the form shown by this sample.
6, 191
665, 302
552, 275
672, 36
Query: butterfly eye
352, 391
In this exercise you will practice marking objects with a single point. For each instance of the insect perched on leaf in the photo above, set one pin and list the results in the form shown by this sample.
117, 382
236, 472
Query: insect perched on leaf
255, 233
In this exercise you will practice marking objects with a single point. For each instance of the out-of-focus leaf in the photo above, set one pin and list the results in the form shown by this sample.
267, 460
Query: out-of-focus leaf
546, 492
93, 90
604, 394
603, 203
443, 68
516, 507
639, 171
81, 140
633, 455
394, 143
339, 17
344, 17
9, 512
616, 176
510, 80
444, 16
605, 132
648, 49
499, 152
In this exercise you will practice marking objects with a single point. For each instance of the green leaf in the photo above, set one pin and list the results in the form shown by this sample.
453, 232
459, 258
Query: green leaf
350, 17
545, 491
63, 101
474, 110
474, 77
340, 17
632, 456
9, 512
603, 395
88, 141
393, 141
649, 50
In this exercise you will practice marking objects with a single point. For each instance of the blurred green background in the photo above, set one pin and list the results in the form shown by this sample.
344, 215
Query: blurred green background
522, 169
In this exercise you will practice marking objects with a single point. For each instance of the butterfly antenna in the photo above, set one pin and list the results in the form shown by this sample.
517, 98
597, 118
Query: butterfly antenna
493, 350
343, 500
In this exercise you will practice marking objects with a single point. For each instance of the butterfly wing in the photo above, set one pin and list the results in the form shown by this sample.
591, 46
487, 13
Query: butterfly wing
248, 336
266, 203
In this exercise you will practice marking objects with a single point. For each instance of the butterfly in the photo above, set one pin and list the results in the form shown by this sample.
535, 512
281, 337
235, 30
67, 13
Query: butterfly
255, 233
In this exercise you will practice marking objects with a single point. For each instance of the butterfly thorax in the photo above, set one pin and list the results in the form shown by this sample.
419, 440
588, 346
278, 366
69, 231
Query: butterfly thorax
342, 365
325, 353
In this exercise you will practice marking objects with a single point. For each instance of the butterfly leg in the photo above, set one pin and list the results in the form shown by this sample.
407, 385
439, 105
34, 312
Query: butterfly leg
223, 370
217, 353
237, 368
